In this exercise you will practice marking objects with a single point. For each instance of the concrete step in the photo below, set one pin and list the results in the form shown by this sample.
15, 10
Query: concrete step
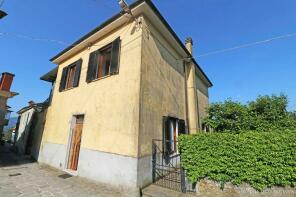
157, 191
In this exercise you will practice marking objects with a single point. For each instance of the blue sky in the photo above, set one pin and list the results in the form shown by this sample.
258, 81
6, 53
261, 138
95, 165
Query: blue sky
213, 24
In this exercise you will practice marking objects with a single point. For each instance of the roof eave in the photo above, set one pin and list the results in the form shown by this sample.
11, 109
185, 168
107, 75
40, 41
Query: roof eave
50, 76
104, 24
117, 16
177, 38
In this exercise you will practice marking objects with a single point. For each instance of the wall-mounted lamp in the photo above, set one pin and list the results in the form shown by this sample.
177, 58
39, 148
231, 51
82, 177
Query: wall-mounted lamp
125, 8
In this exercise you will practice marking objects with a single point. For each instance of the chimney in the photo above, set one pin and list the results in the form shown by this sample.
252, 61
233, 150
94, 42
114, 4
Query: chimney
6, 81
189, 44
31, 103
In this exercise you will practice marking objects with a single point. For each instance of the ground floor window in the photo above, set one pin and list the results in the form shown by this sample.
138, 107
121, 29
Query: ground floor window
172, 128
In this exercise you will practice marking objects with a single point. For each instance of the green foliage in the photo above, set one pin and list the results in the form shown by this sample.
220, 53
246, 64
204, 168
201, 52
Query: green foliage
262, 159
266, 113
8, 135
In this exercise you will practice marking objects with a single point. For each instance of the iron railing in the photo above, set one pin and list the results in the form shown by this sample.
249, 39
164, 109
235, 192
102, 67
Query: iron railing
166, 166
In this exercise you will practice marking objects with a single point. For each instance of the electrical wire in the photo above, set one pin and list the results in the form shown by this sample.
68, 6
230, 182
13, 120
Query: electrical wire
105, 4
202, 55
44, 39
53, 40
247, 45
198, 56
16, 35
111, 8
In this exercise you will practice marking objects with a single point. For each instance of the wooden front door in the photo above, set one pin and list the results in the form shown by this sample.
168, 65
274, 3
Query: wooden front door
75, 143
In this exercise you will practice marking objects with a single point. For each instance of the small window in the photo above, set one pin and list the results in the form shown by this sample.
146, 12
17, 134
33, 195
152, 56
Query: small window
70, 76
104, 62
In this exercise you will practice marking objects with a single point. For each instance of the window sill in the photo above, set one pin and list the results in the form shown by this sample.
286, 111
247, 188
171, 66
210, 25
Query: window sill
107, 76
68, 89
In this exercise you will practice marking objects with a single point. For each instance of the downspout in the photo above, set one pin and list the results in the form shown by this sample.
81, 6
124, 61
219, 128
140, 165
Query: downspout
186, 96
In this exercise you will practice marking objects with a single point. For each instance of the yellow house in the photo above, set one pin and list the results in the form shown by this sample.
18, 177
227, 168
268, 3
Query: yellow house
113, 92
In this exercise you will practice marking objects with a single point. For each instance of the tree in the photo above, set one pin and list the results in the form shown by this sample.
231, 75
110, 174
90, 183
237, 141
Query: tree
8, 135
265, 113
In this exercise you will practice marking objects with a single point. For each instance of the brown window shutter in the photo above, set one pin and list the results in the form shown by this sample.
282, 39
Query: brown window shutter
92, 66
63, 79
77, 73
115, 56
166, 136
181, 127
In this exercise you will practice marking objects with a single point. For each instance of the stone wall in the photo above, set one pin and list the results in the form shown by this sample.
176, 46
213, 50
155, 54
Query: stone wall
207, 188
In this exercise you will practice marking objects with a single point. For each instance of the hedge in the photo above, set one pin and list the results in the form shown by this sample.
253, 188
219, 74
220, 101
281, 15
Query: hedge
262, 159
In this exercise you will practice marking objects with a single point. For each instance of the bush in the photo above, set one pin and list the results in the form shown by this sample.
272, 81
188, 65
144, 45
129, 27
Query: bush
266, 113
262, 159
8, 135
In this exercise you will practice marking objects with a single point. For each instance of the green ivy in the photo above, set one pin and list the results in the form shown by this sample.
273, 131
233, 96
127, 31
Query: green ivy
262, 159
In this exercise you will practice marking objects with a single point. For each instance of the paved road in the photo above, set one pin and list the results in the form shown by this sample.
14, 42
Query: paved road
23, 177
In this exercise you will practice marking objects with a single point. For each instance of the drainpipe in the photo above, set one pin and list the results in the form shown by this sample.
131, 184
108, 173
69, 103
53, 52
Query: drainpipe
186, 95
193, 119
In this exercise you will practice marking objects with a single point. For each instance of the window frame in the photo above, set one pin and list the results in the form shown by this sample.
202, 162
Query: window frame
170, 147
99, 67
95, 67
70, 69
69, 74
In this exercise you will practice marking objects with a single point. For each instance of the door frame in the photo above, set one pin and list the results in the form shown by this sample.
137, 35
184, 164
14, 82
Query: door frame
70, 135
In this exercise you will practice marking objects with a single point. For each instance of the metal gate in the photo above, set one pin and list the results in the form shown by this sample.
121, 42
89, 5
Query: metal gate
166, 168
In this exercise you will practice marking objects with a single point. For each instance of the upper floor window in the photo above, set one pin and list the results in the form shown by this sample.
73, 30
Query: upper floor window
71, 75
104, 62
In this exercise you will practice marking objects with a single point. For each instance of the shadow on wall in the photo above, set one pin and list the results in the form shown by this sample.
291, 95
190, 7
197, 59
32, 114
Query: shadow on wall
9, 158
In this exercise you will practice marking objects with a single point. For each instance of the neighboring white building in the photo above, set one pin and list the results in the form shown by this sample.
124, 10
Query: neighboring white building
30, 128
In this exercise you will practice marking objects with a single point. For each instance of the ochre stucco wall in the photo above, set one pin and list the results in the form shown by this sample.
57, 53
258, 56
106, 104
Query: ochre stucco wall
162, 87
110, 105
203, 99
123, 113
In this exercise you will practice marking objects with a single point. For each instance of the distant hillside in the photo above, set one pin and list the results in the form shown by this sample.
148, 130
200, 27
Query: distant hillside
12, 123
